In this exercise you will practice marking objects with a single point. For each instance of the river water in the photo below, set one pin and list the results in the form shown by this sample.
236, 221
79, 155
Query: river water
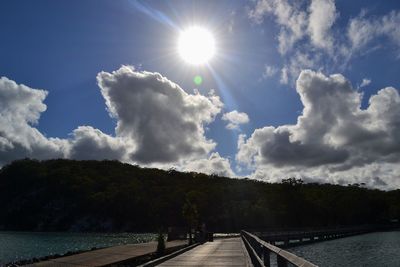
374, 249
16, 246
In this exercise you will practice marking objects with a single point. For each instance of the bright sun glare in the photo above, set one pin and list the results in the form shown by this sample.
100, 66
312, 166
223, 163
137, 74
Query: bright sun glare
196, 45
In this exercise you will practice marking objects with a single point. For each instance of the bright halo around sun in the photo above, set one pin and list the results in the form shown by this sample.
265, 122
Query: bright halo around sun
196, 45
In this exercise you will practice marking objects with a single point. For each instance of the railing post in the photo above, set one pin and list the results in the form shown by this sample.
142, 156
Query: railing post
266, 258
286, 242
281, 262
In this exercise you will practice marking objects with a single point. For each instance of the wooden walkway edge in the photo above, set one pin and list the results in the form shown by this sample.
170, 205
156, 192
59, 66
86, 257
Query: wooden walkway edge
160, 260
106, 256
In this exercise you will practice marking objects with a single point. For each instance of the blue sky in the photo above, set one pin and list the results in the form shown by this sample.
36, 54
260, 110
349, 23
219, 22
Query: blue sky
263, 48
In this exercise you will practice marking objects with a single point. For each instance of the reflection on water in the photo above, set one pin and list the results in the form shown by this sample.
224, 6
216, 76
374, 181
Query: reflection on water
16, 246
375, 249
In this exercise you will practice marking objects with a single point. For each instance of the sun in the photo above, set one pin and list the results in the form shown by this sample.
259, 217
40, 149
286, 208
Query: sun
196, 45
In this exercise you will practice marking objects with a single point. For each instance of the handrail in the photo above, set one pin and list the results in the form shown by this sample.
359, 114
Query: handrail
314, 231
259, 251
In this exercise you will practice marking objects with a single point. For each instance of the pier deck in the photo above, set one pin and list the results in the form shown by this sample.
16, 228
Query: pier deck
221, 252
107, 256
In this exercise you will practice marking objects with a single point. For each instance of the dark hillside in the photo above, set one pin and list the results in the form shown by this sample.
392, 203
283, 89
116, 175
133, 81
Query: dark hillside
112, 196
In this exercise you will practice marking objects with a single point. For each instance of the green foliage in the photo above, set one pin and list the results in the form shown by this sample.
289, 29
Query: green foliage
62, 195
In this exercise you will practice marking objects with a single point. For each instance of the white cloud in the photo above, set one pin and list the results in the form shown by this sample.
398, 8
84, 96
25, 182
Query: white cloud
375, 175
164, 122
298, 62
296, 22
20, 108
215, 164
308, 38
261, 8
362, 30
89, 143
322, 17
284, 75
291, 19
305, 33
269, 71
235, 118
333, 137
158, 124
365, 82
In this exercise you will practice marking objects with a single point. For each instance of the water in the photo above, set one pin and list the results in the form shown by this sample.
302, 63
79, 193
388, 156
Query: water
375, 249
16, 246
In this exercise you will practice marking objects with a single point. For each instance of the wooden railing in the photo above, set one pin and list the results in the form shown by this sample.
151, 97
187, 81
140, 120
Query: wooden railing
259, 252
289, 238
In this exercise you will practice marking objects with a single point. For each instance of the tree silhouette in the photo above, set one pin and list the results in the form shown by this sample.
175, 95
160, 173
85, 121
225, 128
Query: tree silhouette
69, 195
191, 215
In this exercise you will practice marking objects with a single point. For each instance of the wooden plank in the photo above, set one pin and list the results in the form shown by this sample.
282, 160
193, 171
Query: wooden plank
221, 252
106, 256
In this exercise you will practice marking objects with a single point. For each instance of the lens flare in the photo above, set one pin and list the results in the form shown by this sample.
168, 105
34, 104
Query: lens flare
198, 80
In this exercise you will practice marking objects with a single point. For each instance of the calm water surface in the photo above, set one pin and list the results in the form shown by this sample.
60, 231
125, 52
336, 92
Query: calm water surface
375, 249
16, 246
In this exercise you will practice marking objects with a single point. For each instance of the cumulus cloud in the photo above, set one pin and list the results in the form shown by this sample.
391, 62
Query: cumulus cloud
375, 175
90, 143
20, 109
158, 124
235, 118
163, 121
333, 136
215, 164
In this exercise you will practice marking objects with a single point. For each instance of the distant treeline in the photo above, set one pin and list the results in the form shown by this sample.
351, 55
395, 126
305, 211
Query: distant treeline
68, 195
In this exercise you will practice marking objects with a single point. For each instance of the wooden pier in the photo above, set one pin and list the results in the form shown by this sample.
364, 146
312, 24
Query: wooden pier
260, 253
221, 252
250, 249
107, 256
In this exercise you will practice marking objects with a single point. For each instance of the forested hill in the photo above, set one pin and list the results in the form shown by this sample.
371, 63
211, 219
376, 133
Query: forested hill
112, 196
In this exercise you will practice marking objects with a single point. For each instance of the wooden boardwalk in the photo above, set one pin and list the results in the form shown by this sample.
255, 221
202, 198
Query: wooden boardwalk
221, 252
107, 256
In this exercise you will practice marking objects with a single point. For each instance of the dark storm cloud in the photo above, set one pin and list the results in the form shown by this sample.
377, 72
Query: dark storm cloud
281, 151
